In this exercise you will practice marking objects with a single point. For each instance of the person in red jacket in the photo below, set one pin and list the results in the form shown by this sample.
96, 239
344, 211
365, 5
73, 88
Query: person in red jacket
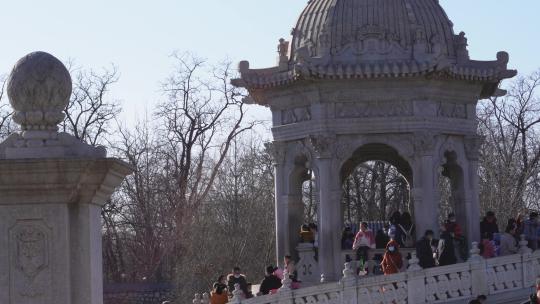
392, 260
363, 242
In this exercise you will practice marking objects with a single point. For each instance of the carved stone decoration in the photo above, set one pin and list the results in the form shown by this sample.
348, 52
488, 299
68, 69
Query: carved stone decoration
424, 142
371, 42
374, 109
321, 146
343, 149
39, 88
295, 115
30, 271
472, 146
452, 110
278, 151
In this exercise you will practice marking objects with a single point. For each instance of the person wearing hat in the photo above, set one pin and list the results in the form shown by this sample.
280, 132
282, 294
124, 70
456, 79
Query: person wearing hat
392, 260
271, 282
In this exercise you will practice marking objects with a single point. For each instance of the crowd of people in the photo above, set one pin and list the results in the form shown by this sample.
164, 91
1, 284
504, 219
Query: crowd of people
449, 248
223, 288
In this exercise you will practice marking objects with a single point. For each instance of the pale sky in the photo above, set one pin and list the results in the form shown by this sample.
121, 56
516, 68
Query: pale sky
138, 36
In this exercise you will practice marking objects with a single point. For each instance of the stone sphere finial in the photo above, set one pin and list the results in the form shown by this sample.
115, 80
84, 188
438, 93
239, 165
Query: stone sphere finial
39, 88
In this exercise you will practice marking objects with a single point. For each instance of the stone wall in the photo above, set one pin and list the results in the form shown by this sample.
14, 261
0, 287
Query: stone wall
137, 293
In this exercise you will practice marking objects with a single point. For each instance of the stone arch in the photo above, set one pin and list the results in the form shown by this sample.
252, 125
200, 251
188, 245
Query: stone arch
298, 164
377, 151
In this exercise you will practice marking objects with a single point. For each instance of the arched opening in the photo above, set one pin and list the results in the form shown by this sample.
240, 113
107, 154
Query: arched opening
373, 191
376, 182
310, 198
302, 202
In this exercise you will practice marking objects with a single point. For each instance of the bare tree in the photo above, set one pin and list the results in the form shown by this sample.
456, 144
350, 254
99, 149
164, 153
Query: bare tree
6, 126
373, 191
511, 153
90, 110
235, 226
152, 225
200, 119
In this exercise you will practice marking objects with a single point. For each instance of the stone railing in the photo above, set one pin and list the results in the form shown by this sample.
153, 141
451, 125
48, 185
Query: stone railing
498, 278
308, 267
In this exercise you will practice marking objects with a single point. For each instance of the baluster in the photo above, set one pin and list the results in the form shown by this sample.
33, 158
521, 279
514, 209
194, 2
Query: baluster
348, 271
523, 248
197, 299
465, 283
237, 295
453, 283
286, 282
475, 253
414, 263
205, 298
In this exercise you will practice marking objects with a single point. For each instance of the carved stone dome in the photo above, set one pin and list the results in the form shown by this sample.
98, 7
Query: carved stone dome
375, 39
39, 88
354, 31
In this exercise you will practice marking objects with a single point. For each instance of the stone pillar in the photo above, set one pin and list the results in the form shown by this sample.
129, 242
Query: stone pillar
472, 191
52, 187
426, 201
425, 193
281, 205
330, 221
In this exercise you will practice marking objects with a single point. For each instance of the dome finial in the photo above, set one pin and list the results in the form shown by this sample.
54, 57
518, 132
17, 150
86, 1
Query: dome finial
39, 88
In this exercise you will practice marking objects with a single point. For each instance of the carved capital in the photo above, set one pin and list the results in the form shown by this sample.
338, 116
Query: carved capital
472, 146
424, 142
322, 146
278, 151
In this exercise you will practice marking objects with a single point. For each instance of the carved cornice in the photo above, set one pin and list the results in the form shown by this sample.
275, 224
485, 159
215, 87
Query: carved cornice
322, 146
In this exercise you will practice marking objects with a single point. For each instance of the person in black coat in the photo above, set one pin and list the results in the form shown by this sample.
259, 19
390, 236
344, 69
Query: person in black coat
424, 251
237, 278
489, 225
446, 248
381, 239
270, 281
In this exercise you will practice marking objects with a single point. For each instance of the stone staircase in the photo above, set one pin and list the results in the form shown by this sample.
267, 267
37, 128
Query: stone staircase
508, 279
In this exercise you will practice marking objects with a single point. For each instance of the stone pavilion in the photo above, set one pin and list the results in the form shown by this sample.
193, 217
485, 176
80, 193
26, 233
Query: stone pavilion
365, 80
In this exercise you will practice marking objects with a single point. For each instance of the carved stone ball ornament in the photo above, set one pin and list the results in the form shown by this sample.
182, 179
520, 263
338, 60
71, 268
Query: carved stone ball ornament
39, 88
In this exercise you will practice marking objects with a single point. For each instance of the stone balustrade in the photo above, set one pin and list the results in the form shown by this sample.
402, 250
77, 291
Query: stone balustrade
505, 279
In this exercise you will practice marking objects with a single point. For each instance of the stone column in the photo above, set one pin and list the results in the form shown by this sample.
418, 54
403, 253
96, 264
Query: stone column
425, 194
472, 191
277, 150
52, 187
330, 224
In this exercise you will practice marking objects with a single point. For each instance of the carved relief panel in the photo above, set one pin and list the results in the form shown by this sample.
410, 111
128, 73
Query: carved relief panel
30, 271
295, 115
374, 109
452, 110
